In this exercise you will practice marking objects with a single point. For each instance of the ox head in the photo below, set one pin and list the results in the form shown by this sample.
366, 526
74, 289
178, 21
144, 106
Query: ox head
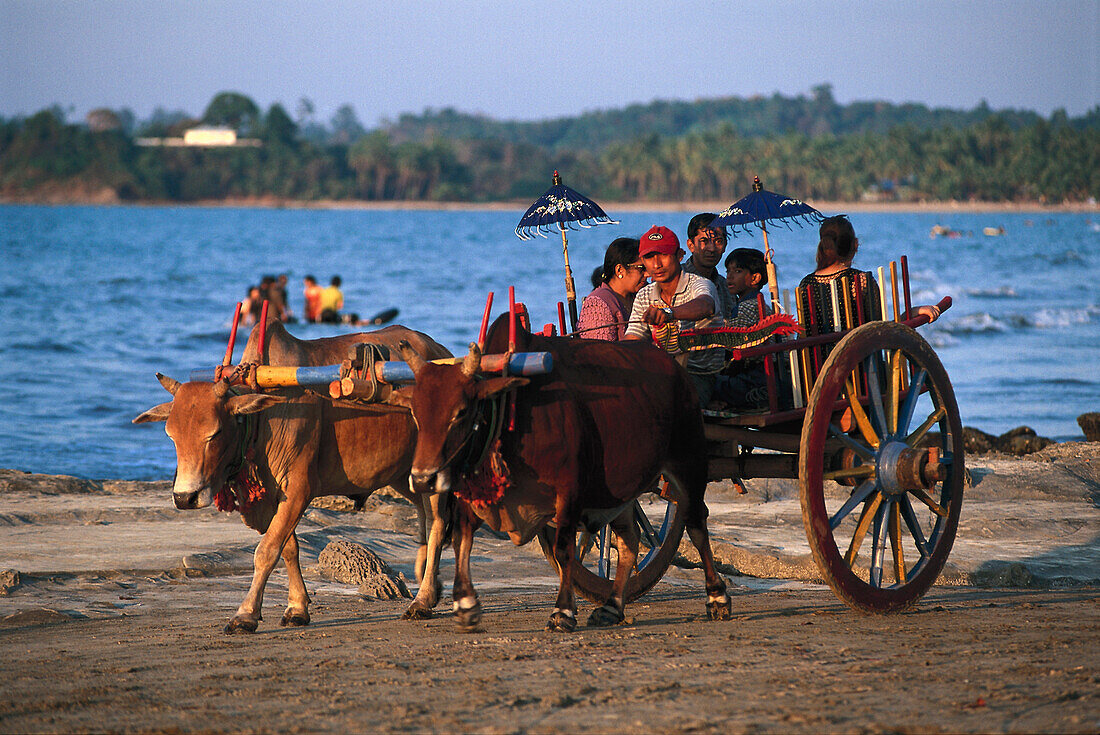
201, 421
444, 403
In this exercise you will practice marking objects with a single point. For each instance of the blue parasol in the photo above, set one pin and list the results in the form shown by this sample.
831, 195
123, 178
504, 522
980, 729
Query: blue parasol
759, 208
557, 210
762, 206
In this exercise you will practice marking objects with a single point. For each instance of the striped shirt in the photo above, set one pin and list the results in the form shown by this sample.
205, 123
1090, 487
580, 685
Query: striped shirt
689, 287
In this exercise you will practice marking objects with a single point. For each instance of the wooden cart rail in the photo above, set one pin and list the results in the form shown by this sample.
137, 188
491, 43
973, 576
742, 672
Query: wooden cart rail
774, 415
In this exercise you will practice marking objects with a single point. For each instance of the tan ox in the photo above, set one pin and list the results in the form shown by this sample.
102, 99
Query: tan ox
303, 447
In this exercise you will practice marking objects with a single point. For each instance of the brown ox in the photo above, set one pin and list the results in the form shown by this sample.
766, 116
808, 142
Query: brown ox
589, 438
303, 447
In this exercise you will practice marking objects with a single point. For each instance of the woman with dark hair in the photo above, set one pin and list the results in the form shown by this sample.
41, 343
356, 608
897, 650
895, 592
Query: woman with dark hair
605, 311
836, 248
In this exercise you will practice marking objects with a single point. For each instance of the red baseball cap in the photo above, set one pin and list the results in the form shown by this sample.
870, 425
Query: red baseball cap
658, 239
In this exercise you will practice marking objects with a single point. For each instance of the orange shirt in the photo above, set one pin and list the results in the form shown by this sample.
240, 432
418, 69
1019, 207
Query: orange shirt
313, 302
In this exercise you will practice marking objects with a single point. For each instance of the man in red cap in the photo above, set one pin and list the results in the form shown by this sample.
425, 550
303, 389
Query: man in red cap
674, 300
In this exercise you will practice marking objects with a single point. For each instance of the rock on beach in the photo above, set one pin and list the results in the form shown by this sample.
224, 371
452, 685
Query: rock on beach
1090, 425
352, 563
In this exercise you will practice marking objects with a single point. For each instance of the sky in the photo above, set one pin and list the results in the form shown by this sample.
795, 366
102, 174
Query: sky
526, 61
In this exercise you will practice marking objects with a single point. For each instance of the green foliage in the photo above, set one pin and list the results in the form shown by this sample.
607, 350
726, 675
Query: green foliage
278, 128
810, 147
233, 110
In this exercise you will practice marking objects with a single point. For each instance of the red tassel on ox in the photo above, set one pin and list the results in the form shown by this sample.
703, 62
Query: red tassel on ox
242, 490
486, 485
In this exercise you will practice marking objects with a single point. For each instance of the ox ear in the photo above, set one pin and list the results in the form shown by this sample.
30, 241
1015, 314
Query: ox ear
156, 413
493, 386
252, 403
401, 397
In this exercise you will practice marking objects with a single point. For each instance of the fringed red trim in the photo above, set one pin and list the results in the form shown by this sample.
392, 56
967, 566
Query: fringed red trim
775, 325
485, 486
244, 489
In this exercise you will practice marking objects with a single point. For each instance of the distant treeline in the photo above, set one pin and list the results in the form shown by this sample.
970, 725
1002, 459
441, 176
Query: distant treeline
809, 147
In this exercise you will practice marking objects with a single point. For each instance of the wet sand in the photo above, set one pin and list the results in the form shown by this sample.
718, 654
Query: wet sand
116, 625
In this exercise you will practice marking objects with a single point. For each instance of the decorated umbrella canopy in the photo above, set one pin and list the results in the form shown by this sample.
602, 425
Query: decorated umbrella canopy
559, 209
759, 208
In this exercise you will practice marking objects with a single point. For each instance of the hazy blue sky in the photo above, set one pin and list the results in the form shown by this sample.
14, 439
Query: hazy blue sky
534, 60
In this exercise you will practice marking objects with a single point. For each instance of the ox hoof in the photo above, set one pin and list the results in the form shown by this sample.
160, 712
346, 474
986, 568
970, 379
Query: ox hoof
294, 619
720, 609
605, 616
562, 621
241, 625
417, 612
469, 618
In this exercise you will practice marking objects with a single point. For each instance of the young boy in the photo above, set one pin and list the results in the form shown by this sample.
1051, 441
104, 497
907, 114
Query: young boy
745, 276
743, 385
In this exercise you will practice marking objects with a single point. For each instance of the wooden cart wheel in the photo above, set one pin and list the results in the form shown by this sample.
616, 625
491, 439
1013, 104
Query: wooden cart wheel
881, 540
660, 525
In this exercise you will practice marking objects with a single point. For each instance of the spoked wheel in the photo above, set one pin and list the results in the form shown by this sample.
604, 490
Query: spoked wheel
883, 537
660, 524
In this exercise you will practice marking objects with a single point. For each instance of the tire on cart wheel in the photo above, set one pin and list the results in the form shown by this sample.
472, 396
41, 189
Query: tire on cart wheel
660, 522
905, 482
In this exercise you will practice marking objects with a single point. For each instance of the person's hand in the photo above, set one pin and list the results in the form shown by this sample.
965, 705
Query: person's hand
932, 312
656, 316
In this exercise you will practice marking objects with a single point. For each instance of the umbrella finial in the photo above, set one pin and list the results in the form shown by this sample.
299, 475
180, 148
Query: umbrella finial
557, 178
756, 185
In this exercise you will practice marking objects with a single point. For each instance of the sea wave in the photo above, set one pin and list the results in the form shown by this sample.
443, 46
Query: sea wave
45, 345
975, 324
1066, 257
1059, 318
1063, 382
1050, 318
1002, 292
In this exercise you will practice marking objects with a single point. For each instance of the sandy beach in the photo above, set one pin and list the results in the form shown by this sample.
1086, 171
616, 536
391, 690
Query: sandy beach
111, 621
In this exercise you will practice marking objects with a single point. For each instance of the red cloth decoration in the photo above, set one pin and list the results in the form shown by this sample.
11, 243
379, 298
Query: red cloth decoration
485, 486
242, 490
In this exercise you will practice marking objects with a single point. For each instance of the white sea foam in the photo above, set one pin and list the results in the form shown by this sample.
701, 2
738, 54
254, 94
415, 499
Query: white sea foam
1000, 292
1048, 318
974, 324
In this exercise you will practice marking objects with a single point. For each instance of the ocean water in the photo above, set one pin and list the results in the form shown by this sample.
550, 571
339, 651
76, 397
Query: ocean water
95, 300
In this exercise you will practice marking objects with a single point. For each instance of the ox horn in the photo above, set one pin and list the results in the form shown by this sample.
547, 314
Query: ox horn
411, 356
221, 389
472, 364
169, 384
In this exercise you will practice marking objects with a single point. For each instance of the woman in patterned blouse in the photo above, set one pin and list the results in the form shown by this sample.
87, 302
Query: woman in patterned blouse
605, 311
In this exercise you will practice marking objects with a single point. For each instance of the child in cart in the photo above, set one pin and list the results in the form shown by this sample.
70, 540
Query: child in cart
743, 385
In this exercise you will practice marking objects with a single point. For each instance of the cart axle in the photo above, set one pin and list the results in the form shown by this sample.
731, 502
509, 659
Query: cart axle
901, 468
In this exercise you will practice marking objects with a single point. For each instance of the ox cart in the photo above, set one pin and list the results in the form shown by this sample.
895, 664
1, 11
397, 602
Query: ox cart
859, 410
865, 418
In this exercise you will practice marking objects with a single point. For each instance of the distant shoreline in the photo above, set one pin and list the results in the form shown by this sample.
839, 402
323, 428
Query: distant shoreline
927, 207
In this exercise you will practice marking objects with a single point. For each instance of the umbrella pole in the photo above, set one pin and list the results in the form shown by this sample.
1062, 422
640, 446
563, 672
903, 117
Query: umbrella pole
773, 280
570, 289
